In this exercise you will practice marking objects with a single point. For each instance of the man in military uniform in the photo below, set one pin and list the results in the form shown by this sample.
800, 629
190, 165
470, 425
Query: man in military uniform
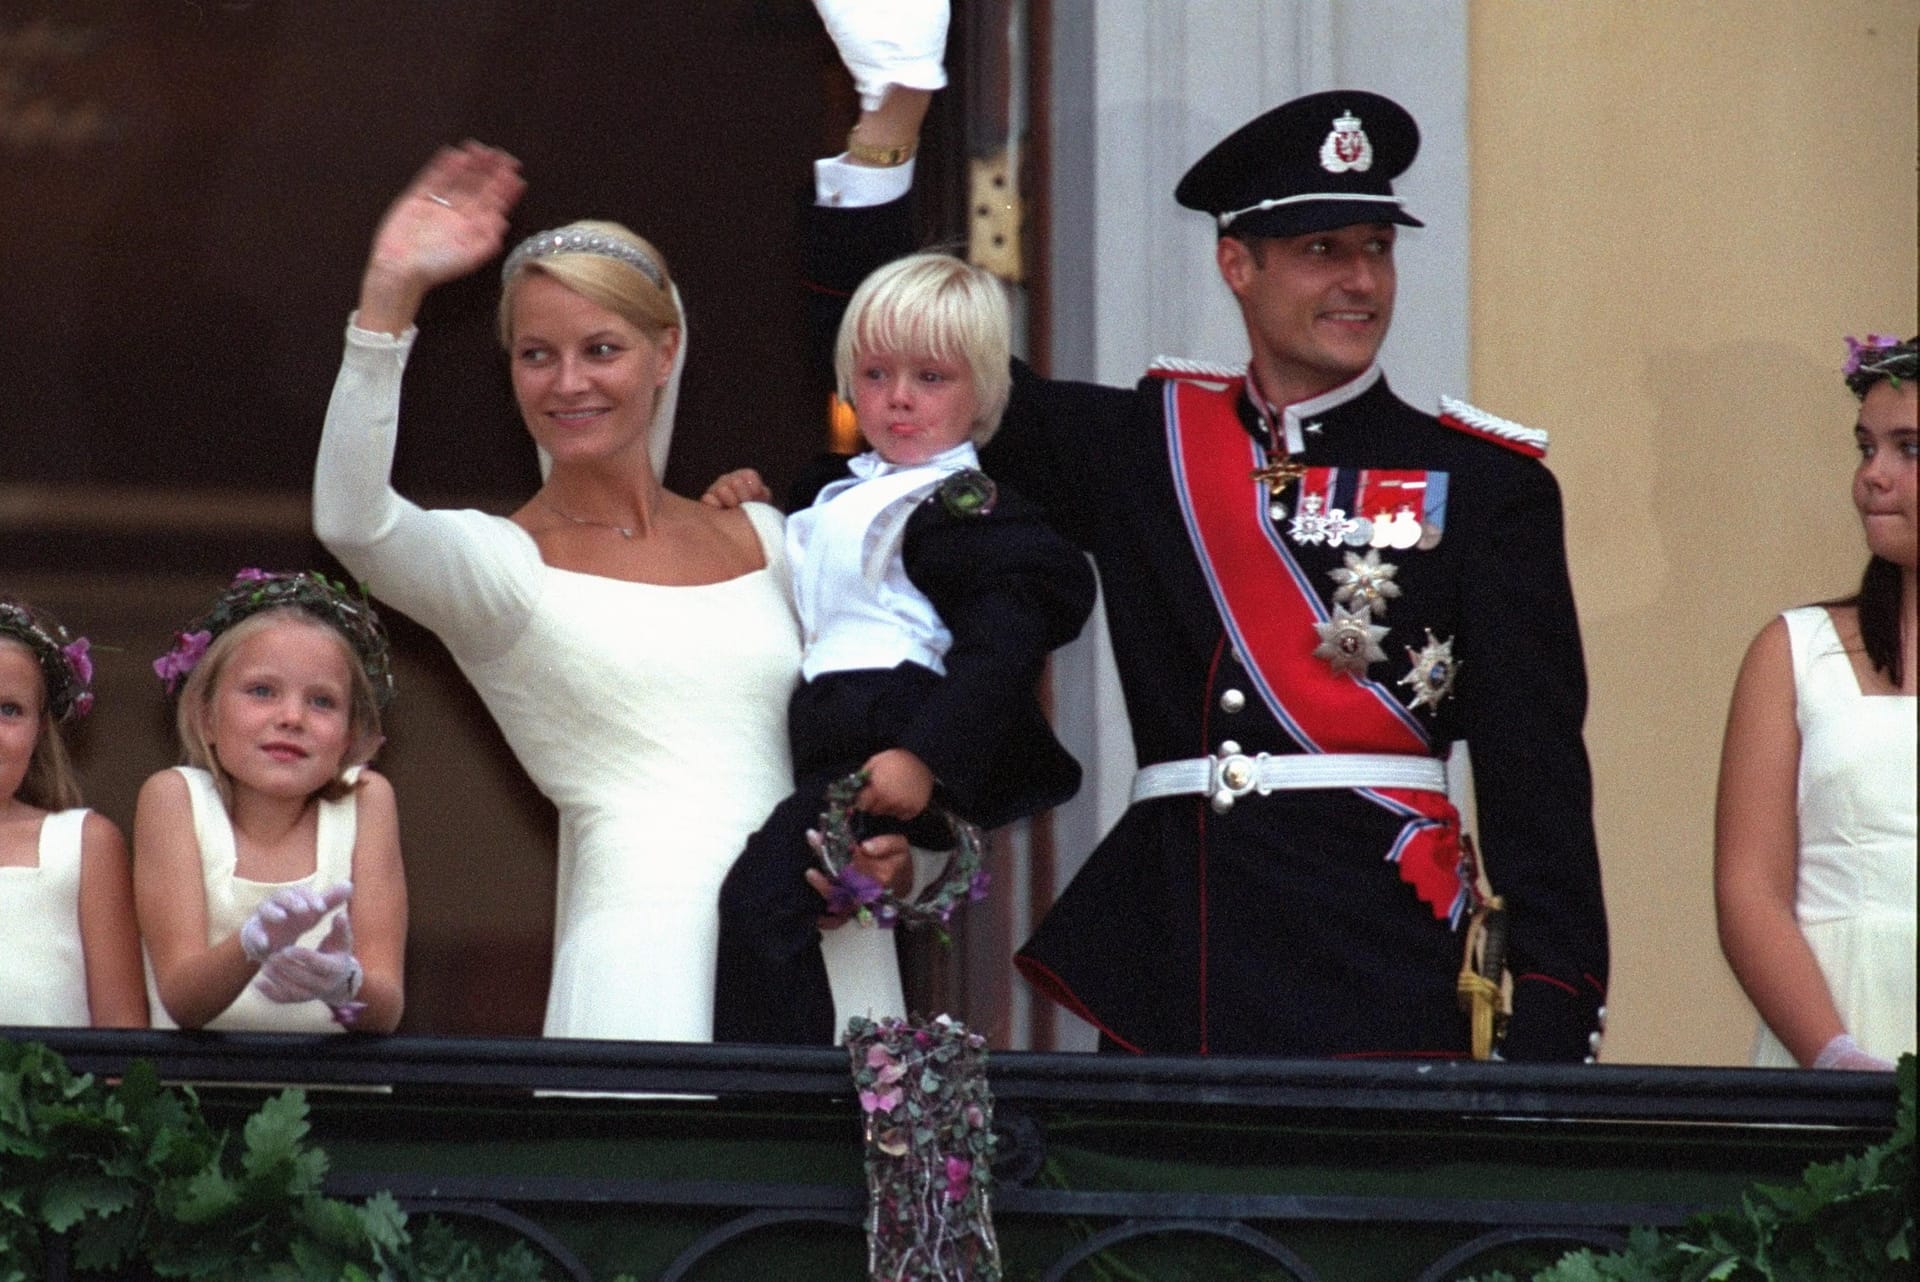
1313, 590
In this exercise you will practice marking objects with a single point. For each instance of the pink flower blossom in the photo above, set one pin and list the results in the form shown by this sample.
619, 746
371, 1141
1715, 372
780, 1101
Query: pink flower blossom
83, 703
252, 575
880, 1101
188, 648
79, 662
959, 1176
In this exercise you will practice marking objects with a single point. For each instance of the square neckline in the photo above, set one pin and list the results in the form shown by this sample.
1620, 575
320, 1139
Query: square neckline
765, 567
1853, 669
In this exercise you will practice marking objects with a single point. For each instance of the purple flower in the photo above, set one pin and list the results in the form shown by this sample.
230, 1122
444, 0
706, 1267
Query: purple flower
959, 1175
78, 660
881, 1101
83, 703
852, 891
977, 888
1856, 349
252, 575
188, 647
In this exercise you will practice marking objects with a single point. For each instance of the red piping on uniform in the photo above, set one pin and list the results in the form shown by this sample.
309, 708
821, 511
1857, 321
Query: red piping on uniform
1598, 987
1557, 983
1206, 719
1042, 977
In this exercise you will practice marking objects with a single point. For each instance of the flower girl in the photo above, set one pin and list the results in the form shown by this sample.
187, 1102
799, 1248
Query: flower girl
267, 869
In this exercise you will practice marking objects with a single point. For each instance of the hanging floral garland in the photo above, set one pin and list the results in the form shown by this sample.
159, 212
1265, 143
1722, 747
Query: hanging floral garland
929, 1134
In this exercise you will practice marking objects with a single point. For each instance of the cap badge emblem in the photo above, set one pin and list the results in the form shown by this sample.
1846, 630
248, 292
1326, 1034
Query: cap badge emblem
1347, 147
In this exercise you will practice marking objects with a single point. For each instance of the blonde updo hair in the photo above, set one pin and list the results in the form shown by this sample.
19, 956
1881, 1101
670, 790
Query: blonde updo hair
601, 278
933, 305
195, 707
50, 782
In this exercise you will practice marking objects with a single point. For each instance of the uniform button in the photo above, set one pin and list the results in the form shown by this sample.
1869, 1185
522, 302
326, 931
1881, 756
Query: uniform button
1591, 1060
1238, 775
1232, 701
1229, 747
1593, 1042
1601, 1015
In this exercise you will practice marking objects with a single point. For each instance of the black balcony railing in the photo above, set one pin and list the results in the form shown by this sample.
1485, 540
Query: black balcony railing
710, 1162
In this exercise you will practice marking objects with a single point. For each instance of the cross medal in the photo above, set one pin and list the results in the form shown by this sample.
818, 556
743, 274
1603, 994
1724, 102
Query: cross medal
1277, 477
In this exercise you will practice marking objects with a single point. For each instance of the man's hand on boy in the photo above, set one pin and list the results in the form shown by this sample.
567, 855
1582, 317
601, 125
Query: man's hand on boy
731, 489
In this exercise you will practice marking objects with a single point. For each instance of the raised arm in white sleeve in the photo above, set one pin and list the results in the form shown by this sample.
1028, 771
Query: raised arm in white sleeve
466, 575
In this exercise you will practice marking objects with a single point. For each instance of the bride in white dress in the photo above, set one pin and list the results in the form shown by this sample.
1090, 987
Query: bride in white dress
1814, 861
636, 647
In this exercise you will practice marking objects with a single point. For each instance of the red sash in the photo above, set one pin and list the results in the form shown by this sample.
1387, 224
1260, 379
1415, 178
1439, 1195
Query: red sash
1269, 607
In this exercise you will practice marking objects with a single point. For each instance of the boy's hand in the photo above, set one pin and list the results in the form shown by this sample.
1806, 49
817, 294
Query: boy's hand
731, 489
899, 785
886, 858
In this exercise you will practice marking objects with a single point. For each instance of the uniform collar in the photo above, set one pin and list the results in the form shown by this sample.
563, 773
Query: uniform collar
1291, 423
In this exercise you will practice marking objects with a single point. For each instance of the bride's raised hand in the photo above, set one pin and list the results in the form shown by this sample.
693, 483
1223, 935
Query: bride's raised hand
447, 222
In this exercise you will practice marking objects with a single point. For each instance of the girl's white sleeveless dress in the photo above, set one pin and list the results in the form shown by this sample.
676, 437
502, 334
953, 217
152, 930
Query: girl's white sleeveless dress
231, 899
1856, 890
43, 970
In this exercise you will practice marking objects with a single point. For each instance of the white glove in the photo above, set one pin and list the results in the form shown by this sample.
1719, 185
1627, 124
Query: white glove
329, 973
888, 42
1844, 1052
285, 915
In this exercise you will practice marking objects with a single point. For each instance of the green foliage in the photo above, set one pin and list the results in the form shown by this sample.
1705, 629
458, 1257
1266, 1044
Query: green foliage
1846, 1221
129, 1181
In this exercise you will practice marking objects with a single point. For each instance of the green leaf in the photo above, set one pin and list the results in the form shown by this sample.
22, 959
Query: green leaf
208, 1196
274, 1134
70, 1199
384, 1223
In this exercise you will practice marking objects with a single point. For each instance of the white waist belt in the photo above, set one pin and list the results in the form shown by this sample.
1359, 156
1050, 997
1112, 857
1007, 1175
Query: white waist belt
1233, 775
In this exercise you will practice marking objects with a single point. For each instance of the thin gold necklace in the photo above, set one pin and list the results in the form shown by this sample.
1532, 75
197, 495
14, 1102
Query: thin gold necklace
626, 531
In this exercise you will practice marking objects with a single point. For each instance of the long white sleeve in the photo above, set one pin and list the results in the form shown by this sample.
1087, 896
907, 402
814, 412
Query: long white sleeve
469, 576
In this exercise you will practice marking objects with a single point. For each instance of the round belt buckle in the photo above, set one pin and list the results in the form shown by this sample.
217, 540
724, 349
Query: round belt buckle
1234, 776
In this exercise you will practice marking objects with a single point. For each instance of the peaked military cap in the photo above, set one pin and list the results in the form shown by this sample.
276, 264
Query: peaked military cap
1313, 164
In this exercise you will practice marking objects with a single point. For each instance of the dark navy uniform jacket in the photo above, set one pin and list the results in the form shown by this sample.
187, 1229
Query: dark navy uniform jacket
1281, 927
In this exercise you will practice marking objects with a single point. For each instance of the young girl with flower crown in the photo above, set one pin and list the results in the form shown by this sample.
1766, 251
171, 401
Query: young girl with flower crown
69, 950
267, 869
1815, 827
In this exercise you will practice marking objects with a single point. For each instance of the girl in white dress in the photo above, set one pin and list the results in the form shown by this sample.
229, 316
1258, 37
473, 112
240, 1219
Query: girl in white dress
1814, 854
267, 869
69, 949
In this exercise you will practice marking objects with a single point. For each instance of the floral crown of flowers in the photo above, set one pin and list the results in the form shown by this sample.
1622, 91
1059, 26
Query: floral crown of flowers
855, 894
575, 239
64, 660
252, 591
1879, 356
